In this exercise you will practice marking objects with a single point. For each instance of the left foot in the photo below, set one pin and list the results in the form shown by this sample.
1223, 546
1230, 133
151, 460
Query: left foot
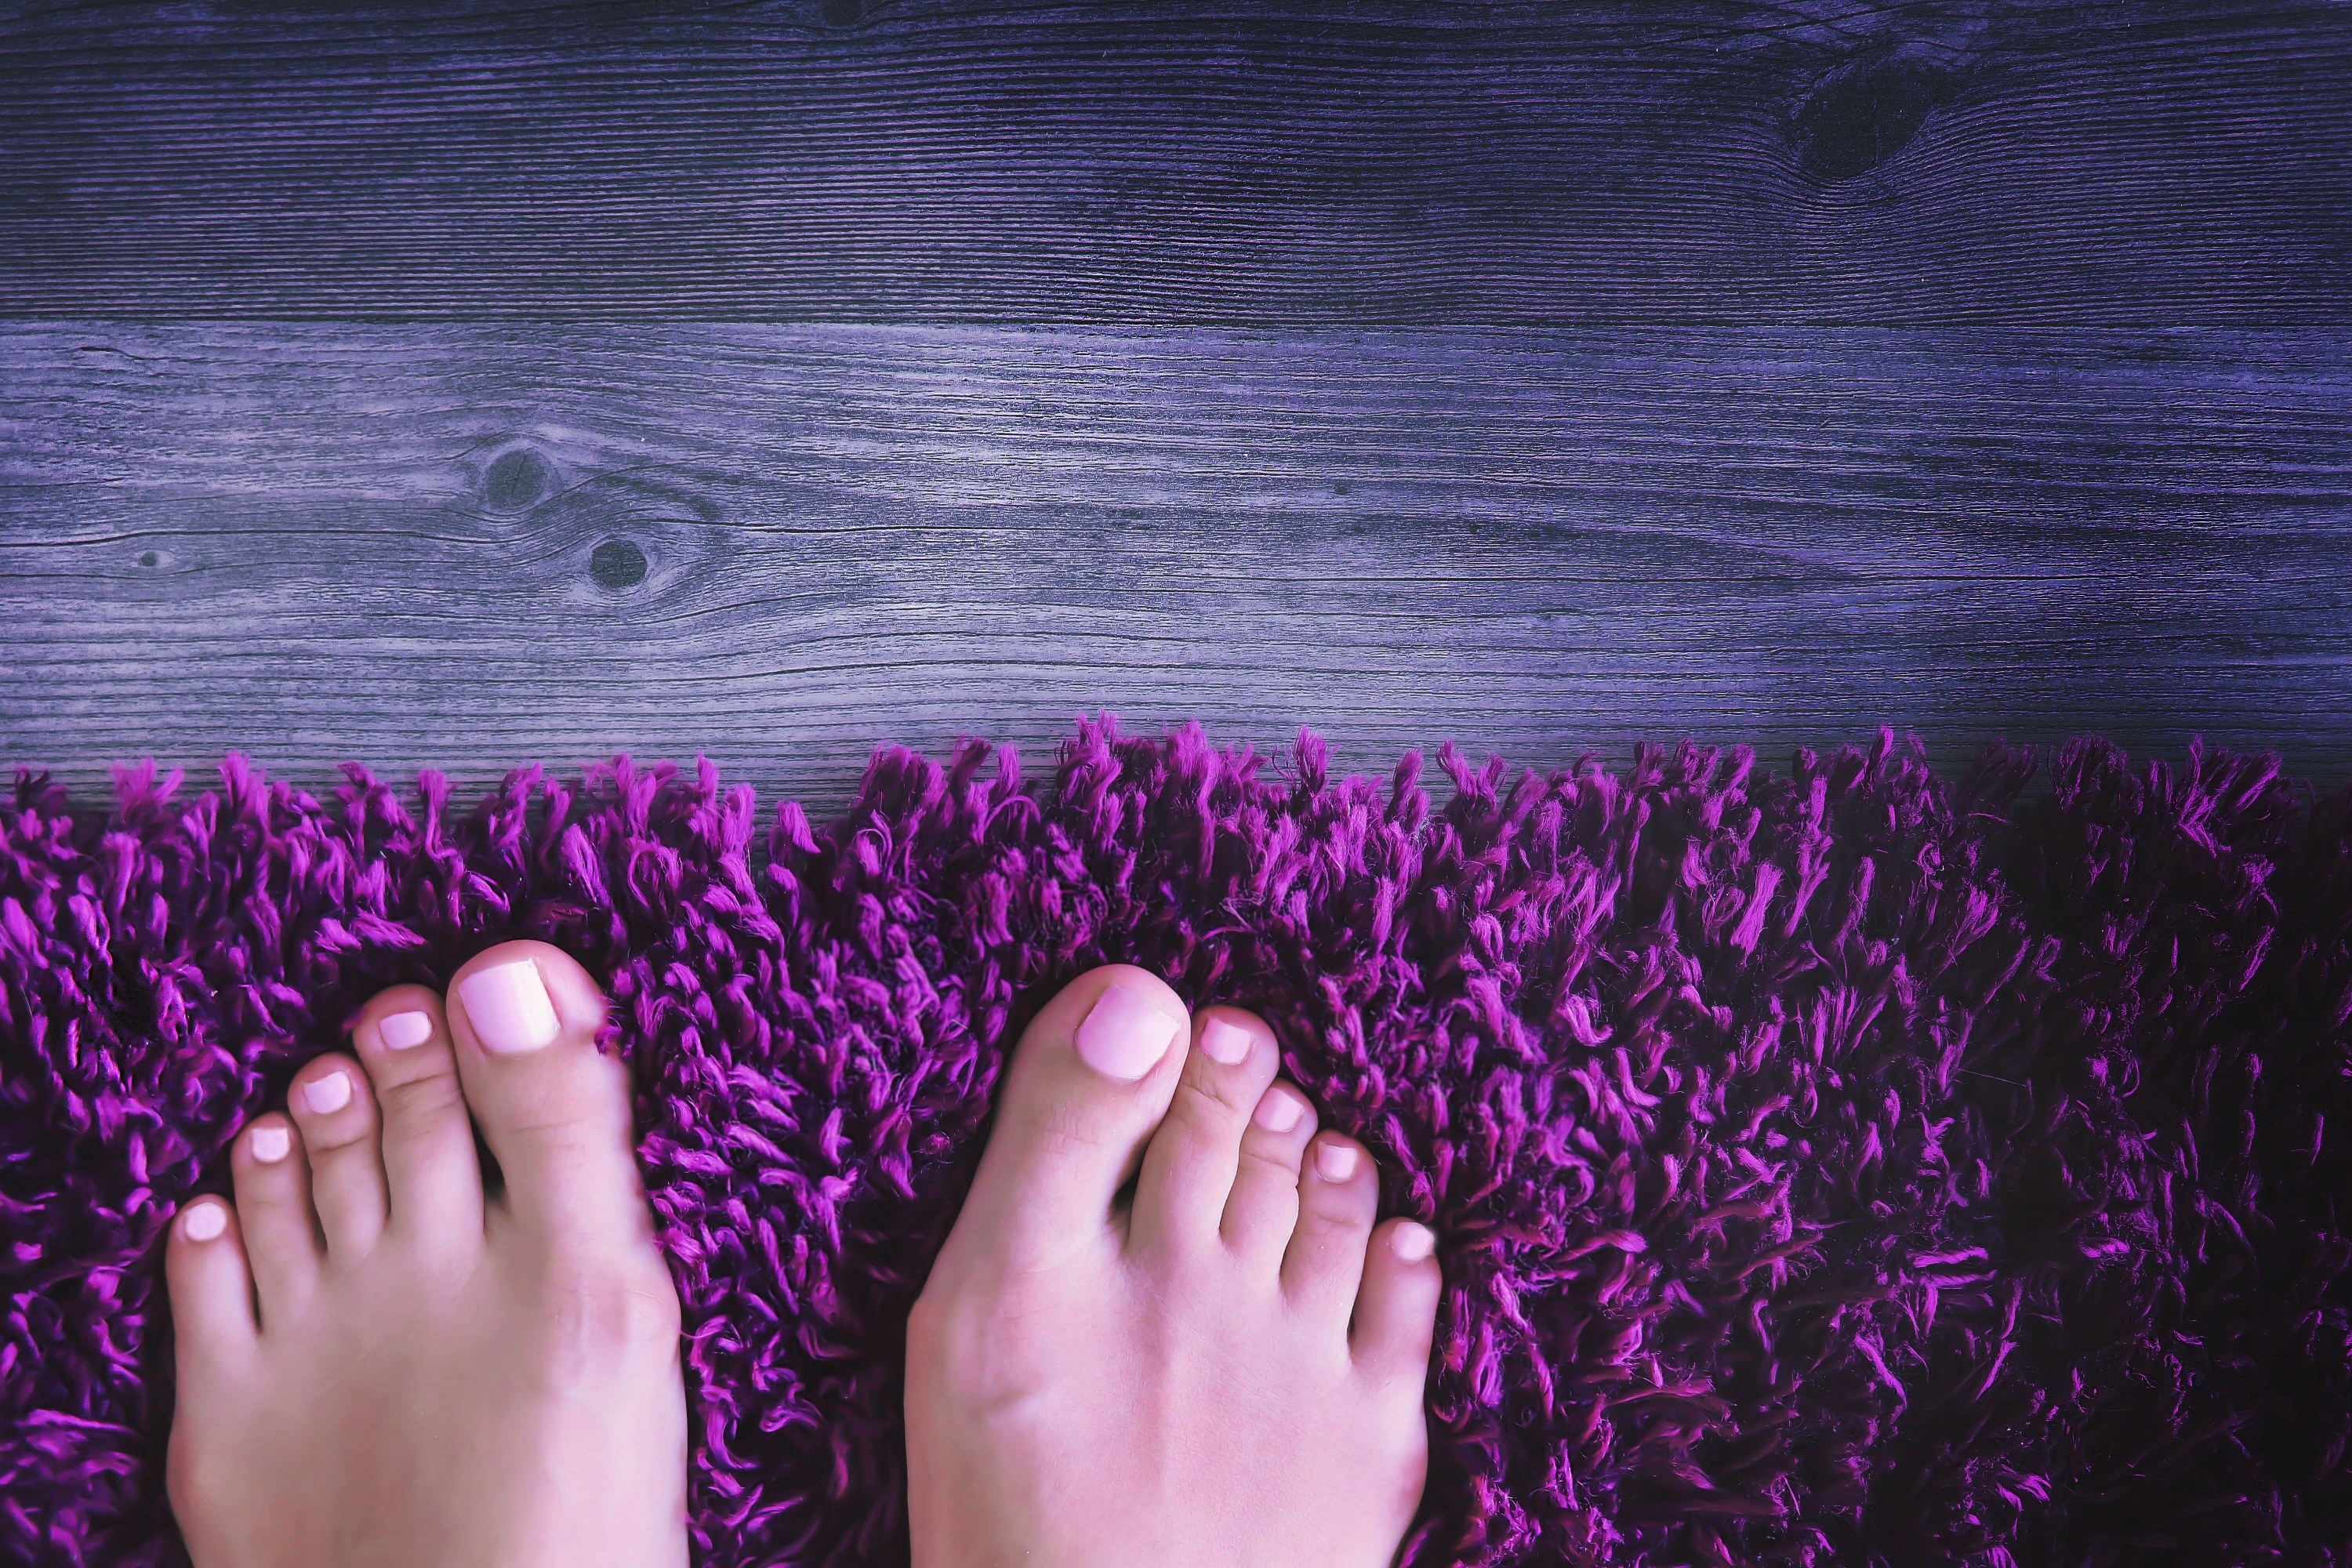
378, 1364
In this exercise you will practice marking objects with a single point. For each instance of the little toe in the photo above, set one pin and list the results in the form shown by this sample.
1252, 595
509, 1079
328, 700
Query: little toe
554, 1107
1338, 1196
1090, 1080
1396, 1308
279, 1227
204, 1268
433, 1177
330, 1102
1263, 1212
1188, 1171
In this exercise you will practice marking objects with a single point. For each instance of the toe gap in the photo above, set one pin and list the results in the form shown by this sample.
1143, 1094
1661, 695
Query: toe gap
494, 1176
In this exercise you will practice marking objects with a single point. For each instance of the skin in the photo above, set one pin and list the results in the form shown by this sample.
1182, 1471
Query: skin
1227, 1371
381, 1365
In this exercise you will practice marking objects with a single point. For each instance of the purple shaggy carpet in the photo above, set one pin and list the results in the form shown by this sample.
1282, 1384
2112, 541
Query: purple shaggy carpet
1845, 1167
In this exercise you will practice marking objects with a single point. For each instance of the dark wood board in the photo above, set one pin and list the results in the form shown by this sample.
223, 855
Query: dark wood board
1801, 162
470, 546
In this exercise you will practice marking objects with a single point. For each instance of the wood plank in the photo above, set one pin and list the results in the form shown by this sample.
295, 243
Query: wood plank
472, 546
1706, 162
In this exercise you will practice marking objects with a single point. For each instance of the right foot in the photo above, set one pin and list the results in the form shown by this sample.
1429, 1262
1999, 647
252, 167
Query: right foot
1226, 1371
378, 1364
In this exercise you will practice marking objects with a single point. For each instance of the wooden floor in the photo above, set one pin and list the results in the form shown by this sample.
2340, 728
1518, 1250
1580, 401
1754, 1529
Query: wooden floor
456, 387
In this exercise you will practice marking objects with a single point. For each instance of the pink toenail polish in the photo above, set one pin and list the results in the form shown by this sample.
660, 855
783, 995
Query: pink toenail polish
1124, 1037
1412, 1242
328, 1094
271, 1144
510, 1008
1335, 1161
1226, 1043
204, 1222
1280, 1110
399, 1031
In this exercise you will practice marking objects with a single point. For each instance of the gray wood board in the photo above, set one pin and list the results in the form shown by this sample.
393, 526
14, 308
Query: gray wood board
2151, 162
470, 546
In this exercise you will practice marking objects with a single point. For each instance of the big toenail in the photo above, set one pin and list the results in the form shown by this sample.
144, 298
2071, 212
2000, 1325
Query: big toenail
271, 1144
1280, 1110
1335, 1161
402, 1030
510, 1008
1226, 1043
1412, 1242
1124, 1037
204, 1222
328, 1094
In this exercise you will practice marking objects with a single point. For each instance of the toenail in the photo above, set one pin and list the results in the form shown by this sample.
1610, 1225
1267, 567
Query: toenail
204, 1222
1280, 1110
1226, 1043
402, 1030
510, 1008
328, 1094
1412, 1242
271, 1144
1335, 1161
1124, 1037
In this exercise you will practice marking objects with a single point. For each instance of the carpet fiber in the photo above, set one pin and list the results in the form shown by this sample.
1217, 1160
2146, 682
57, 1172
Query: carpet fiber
1849, 1165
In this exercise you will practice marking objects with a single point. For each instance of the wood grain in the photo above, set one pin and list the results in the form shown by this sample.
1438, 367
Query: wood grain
467, 546
1706, 162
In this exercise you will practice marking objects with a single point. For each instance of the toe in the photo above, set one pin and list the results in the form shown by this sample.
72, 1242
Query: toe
274, 1214
1187, 1170
1264, 1209
330, 1102
1396, 1308
1090, 1080
554, 1107
1338, 1196
433, 1177
212, 1290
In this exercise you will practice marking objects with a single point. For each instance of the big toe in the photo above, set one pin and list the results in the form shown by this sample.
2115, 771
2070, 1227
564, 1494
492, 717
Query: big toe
554, 1110
1091, 1079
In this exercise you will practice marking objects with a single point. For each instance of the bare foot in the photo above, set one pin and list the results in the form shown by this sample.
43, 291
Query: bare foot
1227, 1371
378, 1364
